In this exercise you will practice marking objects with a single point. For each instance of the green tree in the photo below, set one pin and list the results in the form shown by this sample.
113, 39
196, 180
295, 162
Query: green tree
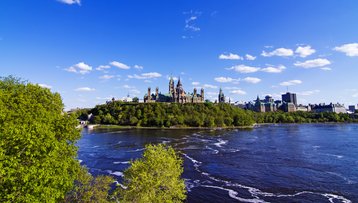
37, 147
89, 189
135, 99
37, 144
155, 177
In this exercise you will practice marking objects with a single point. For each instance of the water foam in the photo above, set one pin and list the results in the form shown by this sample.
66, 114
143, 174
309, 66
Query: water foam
255, 192
116, 173
233, 194
220, 143
121, 162
137, 150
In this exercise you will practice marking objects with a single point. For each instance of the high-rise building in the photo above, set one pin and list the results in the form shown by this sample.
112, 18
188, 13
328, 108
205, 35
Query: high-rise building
259, 106
290, 98
352, 108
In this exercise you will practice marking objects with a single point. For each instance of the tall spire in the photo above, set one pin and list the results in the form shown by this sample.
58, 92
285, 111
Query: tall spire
179, 82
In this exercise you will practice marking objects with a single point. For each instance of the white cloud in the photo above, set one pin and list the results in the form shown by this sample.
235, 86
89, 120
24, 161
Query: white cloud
192, 28
308, 93
138, 67
271, 69
106, 77
195, 83
103, 67
80, 67
304, 51
326, 68
291, 82
210, 86
250, 57
252, 80
134, 91
145, 75
174, 78
355, 95
320, 62
131, 89
85, 89
231, 88
70, 2
230, 56
128, 87
104, 98
278, 52
187, 37
120, 65
211, 93
45, 86
226, 79
190, 24
244, 69
348, 49
240, 92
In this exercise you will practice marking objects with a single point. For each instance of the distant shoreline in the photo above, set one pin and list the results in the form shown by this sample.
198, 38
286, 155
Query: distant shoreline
167, 128
201, 128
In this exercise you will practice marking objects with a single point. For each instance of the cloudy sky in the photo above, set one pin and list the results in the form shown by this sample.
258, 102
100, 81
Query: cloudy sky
92, 50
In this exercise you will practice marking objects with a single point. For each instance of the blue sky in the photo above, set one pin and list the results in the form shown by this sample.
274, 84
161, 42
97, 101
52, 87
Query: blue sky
92, 50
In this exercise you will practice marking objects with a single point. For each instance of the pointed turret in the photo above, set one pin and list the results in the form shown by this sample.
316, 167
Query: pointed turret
179, 83
221, 97
258, 99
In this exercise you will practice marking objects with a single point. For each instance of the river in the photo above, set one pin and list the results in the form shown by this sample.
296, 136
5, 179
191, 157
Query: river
270, 163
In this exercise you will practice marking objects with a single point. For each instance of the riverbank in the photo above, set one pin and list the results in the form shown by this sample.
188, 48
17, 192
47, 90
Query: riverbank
167, 128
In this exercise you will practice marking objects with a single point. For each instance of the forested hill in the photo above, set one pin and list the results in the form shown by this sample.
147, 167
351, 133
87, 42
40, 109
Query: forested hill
171, 114
197, 115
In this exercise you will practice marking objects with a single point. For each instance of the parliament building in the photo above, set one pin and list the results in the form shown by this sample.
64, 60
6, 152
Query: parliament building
175, 94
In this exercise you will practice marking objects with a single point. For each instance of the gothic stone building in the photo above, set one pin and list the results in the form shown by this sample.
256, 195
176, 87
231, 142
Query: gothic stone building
175, 94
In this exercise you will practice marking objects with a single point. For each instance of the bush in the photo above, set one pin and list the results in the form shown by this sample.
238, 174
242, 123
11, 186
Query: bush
155, 177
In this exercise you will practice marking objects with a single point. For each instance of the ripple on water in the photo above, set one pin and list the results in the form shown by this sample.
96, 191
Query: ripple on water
221, 142
255, 192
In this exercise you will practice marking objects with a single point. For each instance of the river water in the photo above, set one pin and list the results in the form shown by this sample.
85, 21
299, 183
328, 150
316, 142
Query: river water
270, 163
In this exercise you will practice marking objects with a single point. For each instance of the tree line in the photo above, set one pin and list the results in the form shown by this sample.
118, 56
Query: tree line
169, 114
303, 117
197, 115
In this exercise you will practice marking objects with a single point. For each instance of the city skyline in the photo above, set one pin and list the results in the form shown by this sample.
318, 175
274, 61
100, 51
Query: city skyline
91, 51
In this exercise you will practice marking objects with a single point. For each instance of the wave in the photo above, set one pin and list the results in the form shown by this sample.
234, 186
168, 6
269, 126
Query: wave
348, 181
119, 184
233, 194
215, 151
196, 163
116, 173
333, 155
136, 150
220, 143
255, 192
121, 162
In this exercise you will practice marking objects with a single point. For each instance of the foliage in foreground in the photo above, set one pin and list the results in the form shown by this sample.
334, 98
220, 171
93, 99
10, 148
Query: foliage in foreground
37, 148
90, 189
155, 177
